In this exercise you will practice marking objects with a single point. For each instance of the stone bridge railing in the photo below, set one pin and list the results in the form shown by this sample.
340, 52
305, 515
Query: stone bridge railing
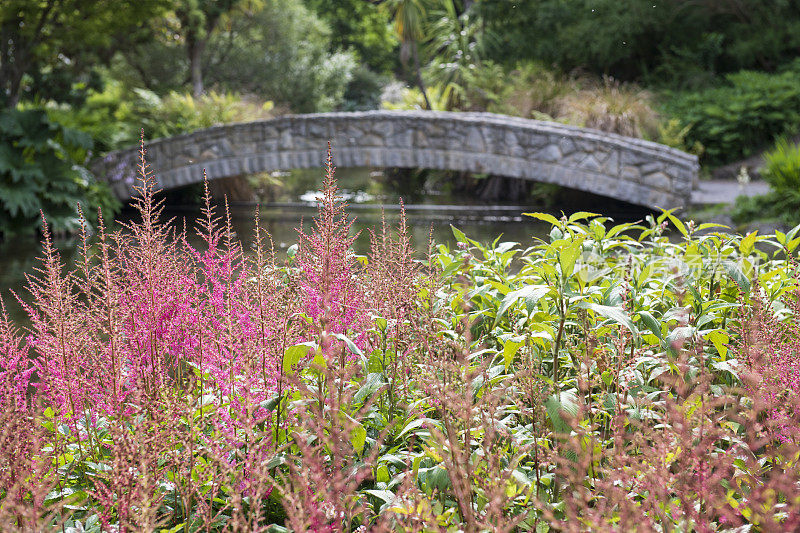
632, 170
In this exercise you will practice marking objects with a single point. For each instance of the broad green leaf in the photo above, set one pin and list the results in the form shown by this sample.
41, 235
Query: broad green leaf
319, 361
544, 217
736, 274
619, 228
720, 340
358, 436
531, 293
350, 344
386, 496
372, 384
510, 349
707, 225
581, 215
276, 461
613, 313
746, 246
569, 255
678, 224
458, 234
293, 354
566, 402
382, 474
727, 366
651, 323
414, 424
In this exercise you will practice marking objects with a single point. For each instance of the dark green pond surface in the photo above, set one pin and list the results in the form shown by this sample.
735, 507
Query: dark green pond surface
369, 198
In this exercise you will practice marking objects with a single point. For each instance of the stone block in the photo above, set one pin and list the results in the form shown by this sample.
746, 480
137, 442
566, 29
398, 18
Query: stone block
590, 163
549, 154
658, 180
567, 146
653, 167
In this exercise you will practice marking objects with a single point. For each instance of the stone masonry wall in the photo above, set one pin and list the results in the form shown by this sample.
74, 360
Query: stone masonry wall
633, 170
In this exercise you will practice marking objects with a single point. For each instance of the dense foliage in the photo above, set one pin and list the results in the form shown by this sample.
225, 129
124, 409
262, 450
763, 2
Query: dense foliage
41, 172
116, 117
605, 378
362, 27
734, 120
782, 203
683, 43
48, 46
278, 50
309, 55
782, 169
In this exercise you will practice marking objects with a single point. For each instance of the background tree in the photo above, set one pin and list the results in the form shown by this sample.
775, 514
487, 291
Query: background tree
45, 39
455, 47
196, 22
684, 43
275, 50
409, 17
364, 28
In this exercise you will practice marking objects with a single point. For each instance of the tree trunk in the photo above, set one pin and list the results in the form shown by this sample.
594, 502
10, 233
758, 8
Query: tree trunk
196, 47
13, 96
418, 74
15, 63
17, 51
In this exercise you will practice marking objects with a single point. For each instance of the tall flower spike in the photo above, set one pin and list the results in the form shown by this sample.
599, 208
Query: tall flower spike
331, 294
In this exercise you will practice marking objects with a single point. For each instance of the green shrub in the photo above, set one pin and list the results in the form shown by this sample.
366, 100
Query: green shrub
782, 169
673, 133
733, 121
782, 203
115, 116
181, 113
40, 169
531, 90
364, 90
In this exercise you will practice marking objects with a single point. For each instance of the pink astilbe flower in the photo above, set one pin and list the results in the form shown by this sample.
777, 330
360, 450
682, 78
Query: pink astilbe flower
328, 271
58, 341
237, 323
770, 352
148, 312
15, 366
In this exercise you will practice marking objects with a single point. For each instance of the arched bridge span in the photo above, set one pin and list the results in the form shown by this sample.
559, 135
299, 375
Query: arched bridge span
632, 170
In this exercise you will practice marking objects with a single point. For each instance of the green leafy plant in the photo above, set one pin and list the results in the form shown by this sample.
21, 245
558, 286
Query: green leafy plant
782, 203
605, 377
673, 133
782, 169
41, 170
115, 116
735, 120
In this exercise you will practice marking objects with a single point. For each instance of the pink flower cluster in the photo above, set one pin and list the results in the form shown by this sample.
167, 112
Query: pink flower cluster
147, 314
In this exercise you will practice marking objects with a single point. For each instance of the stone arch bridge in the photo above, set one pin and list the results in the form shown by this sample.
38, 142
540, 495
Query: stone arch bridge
632, 170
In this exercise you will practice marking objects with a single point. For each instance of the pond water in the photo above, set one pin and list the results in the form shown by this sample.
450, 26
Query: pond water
289, 198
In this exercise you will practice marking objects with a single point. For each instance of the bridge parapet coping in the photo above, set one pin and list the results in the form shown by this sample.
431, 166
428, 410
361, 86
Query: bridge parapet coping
633, 170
